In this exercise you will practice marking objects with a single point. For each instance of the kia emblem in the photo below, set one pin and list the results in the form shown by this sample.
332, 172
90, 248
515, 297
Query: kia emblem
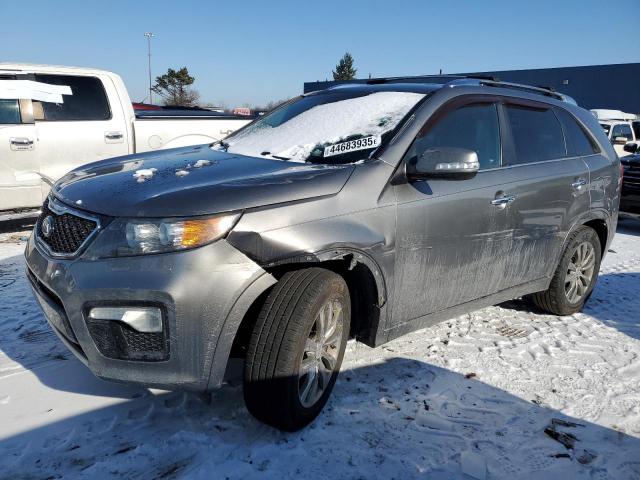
47, 226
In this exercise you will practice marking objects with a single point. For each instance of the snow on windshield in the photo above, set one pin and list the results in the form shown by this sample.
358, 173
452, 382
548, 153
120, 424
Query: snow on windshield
326, 124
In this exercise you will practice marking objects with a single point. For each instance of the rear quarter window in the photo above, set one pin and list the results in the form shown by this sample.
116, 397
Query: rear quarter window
579, 142
87, 102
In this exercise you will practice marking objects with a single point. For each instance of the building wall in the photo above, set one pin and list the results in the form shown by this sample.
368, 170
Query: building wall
614, 86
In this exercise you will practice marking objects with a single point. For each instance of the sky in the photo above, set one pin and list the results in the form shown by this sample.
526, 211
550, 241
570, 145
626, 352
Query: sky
257, 51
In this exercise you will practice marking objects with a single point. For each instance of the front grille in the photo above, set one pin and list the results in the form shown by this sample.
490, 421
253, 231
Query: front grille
631, 177
67, 231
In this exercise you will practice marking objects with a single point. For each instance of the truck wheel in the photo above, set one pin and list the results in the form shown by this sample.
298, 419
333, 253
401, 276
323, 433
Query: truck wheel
575, 276
296, 348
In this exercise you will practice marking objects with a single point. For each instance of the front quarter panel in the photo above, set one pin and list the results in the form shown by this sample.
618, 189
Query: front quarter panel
360, 220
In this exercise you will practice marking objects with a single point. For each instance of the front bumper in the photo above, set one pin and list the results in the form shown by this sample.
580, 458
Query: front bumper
202, 292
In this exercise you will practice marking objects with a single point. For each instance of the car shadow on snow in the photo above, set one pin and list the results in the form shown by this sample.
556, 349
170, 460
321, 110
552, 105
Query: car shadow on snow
401, 418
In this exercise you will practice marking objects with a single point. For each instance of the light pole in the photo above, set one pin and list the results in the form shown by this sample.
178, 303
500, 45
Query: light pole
149, 35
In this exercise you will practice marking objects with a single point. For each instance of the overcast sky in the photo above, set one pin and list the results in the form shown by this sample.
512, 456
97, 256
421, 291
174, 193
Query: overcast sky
256, 51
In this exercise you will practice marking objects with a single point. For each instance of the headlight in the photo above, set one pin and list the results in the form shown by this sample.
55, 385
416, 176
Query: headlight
126, 237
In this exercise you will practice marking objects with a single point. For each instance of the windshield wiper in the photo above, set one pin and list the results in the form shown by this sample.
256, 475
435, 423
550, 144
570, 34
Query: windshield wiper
268, 154
222, 143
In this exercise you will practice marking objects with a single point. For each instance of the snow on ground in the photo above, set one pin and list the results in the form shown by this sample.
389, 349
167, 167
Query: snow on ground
493, 394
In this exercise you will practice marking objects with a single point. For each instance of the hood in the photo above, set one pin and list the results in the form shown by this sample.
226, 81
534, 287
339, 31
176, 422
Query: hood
193, 181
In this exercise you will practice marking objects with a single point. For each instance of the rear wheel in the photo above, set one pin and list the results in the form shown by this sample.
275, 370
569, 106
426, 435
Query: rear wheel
296, 348
575, 276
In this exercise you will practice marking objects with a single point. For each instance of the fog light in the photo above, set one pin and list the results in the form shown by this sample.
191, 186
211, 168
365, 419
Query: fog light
142, 319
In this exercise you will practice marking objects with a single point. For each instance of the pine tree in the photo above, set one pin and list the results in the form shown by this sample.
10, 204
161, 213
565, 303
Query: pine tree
174, 88
344, 69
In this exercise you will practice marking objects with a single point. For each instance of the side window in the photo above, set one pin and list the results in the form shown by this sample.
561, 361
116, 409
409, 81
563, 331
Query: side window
622, 130
474, 127
9, 111
578, 141
88, 100
537, 135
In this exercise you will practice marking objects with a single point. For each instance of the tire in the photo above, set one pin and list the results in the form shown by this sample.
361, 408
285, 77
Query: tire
285, 343
557, 299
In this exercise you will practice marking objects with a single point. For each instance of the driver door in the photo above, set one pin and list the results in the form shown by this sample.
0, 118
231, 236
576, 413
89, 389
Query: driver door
452, 235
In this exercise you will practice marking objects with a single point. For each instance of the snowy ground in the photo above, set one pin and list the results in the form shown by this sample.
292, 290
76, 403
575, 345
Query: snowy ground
472, 396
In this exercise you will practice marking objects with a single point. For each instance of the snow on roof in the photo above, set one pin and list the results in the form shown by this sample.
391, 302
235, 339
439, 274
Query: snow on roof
295, 139
6, 67
606, 114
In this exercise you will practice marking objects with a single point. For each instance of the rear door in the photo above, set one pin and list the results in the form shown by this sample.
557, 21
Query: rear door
602, 185
19, 182
84, 128
549, 186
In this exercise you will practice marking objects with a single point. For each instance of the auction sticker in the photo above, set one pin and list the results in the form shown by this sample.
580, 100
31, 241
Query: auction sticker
352, 145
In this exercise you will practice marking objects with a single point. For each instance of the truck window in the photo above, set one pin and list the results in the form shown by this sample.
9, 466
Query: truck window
578, 142
537, 134
87, 102
9, 111
622, 130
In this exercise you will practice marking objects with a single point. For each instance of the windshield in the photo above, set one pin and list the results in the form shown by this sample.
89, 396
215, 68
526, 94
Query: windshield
338, 126
606, 127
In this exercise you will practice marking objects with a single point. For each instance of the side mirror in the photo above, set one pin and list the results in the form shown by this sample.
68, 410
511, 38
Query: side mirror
620, 140
444, 162
631, 147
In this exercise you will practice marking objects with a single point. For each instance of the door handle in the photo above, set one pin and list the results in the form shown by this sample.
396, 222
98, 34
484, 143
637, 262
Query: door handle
113, 136
503, 201
578, 184
21, 143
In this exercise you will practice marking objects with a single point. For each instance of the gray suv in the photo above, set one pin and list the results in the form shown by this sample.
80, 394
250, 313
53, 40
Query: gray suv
364, 211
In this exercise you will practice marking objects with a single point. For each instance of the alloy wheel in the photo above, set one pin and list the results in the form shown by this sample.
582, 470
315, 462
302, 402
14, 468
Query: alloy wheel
321, 352
580, 272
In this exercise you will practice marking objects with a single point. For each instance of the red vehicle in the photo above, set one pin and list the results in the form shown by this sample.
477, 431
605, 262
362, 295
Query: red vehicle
145, 106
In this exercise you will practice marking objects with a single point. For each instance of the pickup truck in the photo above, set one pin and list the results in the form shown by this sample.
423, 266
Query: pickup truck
621, 128
42, 140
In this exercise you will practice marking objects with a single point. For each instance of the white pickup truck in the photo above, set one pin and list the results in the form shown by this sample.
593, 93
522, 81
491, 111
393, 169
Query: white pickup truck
45, 131
620, 127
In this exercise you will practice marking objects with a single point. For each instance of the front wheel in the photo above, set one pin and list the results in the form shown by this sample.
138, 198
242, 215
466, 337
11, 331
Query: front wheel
575, 276
296, 348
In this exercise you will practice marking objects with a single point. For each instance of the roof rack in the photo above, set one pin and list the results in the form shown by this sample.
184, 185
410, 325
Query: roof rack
477, 80
547, 91
422, 78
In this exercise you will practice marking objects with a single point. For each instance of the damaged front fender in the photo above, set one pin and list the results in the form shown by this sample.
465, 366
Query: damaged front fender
315, 243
